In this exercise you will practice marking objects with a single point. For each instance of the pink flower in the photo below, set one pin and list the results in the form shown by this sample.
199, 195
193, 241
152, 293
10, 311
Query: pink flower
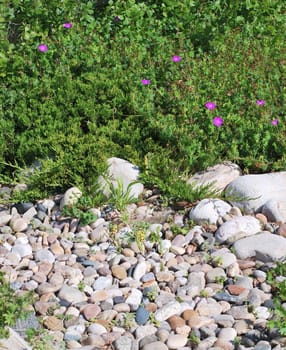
67, 25
43, 48
210, 105
176, 58
218, 121
260, 102
274, 122
145, 81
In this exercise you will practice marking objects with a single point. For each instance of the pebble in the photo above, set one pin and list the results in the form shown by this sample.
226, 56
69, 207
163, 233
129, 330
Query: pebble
176, 341
116, 296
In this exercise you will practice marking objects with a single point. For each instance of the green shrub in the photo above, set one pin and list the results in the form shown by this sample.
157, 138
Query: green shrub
12, 307
82, 101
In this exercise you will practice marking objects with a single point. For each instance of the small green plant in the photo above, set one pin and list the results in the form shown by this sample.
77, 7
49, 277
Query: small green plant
12, 307
127, 321
217, 260
153, 320
193, 339
152, 294
81, 209
138, 235
155, 237
81, 286
220, 279
41, 339
119, 196
204, 293
276, 278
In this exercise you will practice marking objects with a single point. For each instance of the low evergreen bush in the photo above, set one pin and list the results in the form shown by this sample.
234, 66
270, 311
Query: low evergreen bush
82, 81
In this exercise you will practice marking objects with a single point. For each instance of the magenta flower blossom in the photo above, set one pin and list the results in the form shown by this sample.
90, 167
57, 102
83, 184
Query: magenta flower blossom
274, 122
145, 81
260, 102
218, 121
210, 105
43, 48
116, 19
67, 25
176, 58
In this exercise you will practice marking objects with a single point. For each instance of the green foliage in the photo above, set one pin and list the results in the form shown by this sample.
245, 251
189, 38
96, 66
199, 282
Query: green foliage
119, 196
42, 339
138, 235
12, 306
82, 101
276, 278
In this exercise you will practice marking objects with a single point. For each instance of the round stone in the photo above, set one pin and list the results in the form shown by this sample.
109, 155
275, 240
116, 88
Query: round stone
176, 341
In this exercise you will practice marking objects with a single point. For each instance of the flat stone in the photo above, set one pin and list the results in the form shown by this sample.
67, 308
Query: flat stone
102, 282
209, 211
90, 311
264, 246
235, 289
19, 224
44, 255
241, 313
135, 298
214, 274
71, 294
239, 227
53, 323
155, 345
176, 341
4, 219
227, 334
176, 321
224, 256
123, 343
140, 270
224, 320
118, 272
170, 309
22, 250
196, 283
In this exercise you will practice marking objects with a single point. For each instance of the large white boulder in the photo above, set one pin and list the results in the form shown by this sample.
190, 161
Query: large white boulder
264, 246
252, 192
124, 172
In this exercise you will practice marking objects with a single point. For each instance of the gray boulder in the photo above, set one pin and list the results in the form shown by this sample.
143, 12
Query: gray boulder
265, 246
251, 192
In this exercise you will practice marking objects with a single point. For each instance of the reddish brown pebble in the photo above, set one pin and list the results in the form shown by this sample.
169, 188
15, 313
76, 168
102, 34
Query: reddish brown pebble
235, 290
90, 311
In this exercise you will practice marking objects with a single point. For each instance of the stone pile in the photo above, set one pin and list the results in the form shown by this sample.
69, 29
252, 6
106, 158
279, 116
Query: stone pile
188, 286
